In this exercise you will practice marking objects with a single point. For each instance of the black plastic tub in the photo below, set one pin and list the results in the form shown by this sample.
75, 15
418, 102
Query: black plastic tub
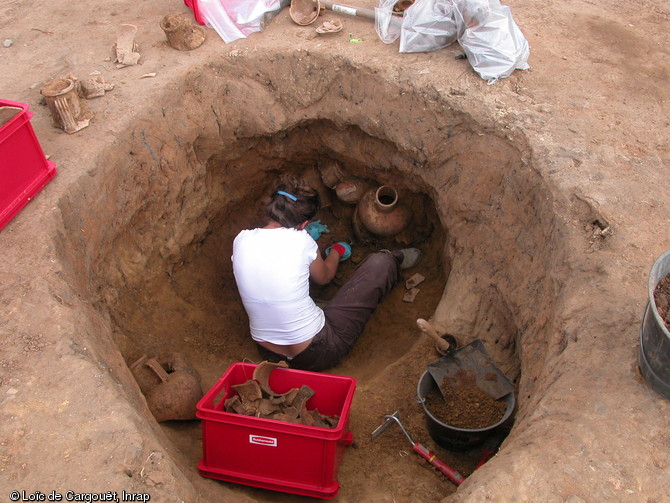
451, 437
654, 336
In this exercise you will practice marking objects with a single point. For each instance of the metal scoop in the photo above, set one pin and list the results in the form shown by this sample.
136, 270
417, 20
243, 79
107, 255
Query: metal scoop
473, 357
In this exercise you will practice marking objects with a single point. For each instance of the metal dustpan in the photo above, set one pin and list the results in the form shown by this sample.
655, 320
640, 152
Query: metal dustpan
473, 356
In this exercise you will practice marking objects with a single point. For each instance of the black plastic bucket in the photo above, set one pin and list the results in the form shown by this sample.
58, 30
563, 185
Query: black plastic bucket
654, 336
451, 437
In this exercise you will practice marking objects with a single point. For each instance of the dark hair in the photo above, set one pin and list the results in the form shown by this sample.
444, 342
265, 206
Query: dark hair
287, 212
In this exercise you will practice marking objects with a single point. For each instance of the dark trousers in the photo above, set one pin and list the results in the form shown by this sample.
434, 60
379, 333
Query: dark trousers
347, 313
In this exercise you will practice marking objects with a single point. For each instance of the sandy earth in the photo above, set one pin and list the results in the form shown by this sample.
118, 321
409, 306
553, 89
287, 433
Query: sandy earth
549, 186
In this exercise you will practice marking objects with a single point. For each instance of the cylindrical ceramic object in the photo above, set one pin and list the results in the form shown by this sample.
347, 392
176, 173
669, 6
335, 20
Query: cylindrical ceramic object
181, 33
331, 174
63, 102
350, 190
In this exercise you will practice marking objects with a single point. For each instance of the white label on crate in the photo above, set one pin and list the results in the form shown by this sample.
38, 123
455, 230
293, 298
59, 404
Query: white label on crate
257, 439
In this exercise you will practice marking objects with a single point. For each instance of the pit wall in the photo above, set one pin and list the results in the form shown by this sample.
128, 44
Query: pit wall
157, 188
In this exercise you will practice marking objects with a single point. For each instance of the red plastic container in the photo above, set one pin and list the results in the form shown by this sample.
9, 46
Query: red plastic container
271, 454
24, 169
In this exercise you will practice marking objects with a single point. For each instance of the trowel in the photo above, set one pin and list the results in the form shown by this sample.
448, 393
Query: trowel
446, 470
472, 356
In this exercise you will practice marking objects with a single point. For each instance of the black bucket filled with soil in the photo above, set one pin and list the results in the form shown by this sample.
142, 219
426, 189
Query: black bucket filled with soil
462, 417
654, 334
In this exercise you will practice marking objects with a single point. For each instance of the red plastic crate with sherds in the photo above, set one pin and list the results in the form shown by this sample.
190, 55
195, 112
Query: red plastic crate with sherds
271, 454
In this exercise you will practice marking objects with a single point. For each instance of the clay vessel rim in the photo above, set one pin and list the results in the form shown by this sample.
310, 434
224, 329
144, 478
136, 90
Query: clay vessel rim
57, 87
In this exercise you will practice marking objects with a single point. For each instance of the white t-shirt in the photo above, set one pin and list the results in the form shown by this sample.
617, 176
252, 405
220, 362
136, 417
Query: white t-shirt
271, 268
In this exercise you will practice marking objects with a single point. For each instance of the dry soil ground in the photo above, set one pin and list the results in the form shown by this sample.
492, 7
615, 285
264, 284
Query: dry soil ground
548, 190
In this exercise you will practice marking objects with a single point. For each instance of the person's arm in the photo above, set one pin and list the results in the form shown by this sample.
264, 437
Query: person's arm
323, 271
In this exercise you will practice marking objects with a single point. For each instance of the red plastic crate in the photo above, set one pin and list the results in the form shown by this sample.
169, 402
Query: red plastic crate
271, 454
24, 169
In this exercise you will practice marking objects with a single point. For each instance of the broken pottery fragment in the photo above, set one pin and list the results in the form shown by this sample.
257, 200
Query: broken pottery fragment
126, 48
262, 375
249, 391
281, 416
304, 394
332, 26
319, 419
411, 295
95, 87
414, 281
290, 396
292, 412
267, 408
286, 399
247, 408
230, 403
306, 416
255, 398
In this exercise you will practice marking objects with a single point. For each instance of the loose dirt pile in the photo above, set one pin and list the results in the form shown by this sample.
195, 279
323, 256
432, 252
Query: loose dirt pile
460, 403
662, 298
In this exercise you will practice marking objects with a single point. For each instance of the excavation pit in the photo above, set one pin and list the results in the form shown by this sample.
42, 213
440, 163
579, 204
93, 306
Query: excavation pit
581, 164
156, 258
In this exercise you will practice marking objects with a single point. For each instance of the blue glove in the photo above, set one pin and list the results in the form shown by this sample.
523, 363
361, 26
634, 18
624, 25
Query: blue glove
316, 228
347, 250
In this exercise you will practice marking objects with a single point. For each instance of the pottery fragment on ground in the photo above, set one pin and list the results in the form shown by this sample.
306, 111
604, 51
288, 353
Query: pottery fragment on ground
126, 49
332, 26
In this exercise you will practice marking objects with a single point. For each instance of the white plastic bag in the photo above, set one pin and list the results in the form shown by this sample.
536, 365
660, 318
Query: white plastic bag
473, 12
492, 41
429, 25
386, 24
235, 19
496, 47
